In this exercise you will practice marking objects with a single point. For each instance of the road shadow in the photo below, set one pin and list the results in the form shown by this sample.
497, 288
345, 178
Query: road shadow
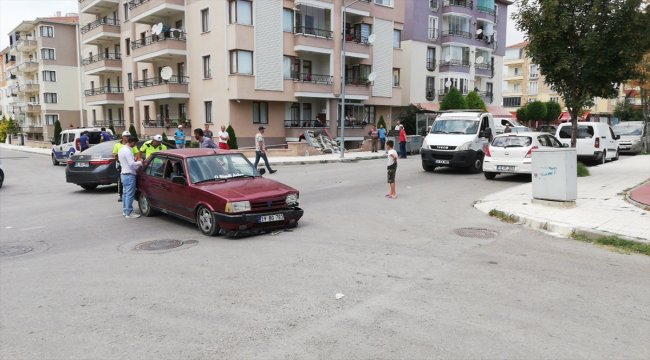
106, 189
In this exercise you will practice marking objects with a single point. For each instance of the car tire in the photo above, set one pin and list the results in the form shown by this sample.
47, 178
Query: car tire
89, 187
604, 157
477, 166
145, 206
55, 162
428, 167
490, 175
206, 221
616, 156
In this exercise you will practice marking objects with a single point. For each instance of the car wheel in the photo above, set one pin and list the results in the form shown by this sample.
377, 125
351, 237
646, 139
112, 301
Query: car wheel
616, 156
206, 221
477, 167
604, 157
89, 187
428, 167
145, 206
54, 161
490, 175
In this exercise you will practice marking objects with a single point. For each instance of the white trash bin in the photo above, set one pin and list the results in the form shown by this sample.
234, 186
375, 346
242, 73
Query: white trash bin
555, 174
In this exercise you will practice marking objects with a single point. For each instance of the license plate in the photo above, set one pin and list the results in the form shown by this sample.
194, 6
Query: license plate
505, 168
81, 164
444, 162
271, 218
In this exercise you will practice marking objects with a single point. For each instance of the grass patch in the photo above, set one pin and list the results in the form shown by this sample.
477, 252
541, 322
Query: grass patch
503, 216
615, 242
582, 170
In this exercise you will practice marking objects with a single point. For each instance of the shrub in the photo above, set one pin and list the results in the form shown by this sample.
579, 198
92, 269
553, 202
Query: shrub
474, 101
522, 114
453, 100
582, 170
57, 132
232, 140
132, 131
553, 111
381, 122
535, 111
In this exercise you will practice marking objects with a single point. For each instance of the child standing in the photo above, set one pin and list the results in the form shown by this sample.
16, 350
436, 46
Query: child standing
391, 168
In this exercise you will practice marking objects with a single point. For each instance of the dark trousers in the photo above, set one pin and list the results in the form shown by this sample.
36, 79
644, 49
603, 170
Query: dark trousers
258, 155
373, 144
119, 186
382, 142
402, 149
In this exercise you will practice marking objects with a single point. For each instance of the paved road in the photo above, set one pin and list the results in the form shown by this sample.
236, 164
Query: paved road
413, 288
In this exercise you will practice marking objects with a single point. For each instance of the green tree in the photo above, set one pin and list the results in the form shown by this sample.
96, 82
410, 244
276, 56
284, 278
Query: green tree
112, 129
626, 112
522, 115
536, 111
584, 47
132, 131
474, 101
453, 100
232, 138
381, 122
407, 117
57, 132
553, 111
7, 128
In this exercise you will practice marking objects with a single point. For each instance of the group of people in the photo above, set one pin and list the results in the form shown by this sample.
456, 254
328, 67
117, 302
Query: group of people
204, 137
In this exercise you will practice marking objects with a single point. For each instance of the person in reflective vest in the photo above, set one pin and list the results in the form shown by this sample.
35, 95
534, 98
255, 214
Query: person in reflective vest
151, 146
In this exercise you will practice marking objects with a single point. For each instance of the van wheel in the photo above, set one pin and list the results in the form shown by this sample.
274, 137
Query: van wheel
428, 167
477, 166
206, 221
604, 158
490, 175
54, 161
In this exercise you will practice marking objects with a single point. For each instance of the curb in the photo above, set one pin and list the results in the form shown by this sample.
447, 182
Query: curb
27, 149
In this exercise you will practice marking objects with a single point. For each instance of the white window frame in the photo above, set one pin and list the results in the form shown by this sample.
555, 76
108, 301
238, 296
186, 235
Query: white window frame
399, 46
52, 74
533, 87
235, 18
437, 5
236, 66
57, 117
205, 21
432, 35
399, 77
43, 57
40, 30
207, 70
387, 3
261, 119
208, 114
52, 96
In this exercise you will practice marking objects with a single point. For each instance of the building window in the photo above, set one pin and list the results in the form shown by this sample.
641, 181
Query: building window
47, 31
433, 28
241, 12
126, 11
127, 42
397, 39
205, 20
384, 2
260, 113
433, 5
207, 106
532, 88
511, 101
50, 119
395, 77
431, 59
48, 75
47, 54
555, 99
241, 62
50, 98
207, 74
287, 20
430, 90
369, 114
533, 72
129, 80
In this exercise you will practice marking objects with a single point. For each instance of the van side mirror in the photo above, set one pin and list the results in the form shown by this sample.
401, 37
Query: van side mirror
180, 180
565, 145
617, 137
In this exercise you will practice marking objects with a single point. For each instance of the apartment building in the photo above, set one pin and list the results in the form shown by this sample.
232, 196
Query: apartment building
158, 64
454, 43
42, 69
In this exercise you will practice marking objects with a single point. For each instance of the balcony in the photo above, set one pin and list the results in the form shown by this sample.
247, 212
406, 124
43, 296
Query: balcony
107, 123
168, 46
306, 37
102, 64
31, 108
104, 95
454, 65
468, 4
456, 33
100, 31
36, 128
152, 11
356, 43
513, 76
29, 86
26, 45
533, 76
157, 88
98, 7
312, 83
357, 88
305, 124
167, 123
431, 64
484, 69
28, 66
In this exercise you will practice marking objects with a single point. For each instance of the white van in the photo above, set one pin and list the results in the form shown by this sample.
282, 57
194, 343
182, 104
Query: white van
500, 123
458, 139
595, 141
69, 143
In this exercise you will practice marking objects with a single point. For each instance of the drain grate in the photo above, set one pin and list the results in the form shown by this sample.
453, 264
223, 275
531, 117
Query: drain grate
476, 233
14, 250
158, 245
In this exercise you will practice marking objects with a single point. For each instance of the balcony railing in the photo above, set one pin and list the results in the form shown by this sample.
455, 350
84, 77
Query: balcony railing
486, 9
165, 35
431, 64
462, 3
487, 96
454, 32
430, 94
356, 38
136, 3
166, 123
432, 34
454, 62
534, 76
99, 22
304, 30
104, 90
313, 78
100, 57
305, 124
160, 81
356, 81
442, 93
483, 66
107, 123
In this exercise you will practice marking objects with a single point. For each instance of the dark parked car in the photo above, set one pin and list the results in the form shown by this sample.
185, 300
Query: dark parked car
218, 190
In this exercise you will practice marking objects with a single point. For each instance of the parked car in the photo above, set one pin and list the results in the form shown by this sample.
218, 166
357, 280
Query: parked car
69, 143
595, 141
2, 175
218, 190
511, 153
501, 122
551, 129
635, 138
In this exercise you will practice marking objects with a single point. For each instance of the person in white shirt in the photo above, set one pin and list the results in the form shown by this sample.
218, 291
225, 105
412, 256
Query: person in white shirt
260, 150
391, 168
223, 138
397, 127
129, 167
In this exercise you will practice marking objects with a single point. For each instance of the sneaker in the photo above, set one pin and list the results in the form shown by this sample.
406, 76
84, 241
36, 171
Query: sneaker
272, 171
132, 216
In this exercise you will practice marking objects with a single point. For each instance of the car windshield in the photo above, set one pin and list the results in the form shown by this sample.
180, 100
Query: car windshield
219, 167
584, 132
628, 129
512, 141
455, 126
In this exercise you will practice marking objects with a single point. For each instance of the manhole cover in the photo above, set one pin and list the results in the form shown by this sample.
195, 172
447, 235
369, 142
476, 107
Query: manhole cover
14, 250
476, 233
158, 245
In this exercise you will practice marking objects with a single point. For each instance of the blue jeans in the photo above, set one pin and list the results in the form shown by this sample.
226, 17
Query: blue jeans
180, 145
128, 193
258, 155
402, 149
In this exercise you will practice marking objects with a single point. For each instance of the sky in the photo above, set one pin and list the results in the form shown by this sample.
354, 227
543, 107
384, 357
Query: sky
12, 12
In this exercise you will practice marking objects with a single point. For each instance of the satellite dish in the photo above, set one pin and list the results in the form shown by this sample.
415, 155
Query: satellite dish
372, 38
448, 83
154, 29
159, 28
479, 31
166, 73
372, 76
479, 60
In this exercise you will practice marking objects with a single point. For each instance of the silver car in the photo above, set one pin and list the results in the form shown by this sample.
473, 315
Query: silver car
634, 137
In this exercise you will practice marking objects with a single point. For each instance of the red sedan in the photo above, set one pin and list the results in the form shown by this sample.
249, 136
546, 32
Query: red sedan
218, 190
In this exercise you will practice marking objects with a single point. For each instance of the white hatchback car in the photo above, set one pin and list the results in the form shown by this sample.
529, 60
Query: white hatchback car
511, 153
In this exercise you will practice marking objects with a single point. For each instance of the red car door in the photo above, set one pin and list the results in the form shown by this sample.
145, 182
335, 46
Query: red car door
153, 183
177, 195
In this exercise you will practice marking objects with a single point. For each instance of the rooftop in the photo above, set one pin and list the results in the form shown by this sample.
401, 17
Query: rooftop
520, 45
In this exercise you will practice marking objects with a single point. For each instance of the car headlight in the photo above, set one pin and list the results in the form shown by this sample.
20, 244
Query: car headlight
292, 199
465, 146
238, 206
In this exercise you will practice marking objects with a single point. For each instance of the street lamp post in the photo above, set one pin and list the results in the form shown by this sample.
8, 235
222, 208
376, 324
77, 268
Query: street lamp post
342, 113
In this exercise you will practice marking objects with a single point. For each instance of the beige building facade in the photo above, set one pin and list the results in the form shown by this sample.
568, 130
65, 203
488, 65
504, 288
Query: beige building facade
158, 64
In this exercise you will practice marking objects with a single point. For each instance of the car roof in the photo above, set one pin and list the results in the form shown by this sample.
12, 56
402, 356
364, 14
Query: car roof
524, 133
189, 153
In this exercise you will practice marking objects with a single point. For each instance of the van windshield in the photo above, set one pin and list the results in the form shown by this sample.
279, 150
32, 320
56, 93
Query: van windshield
584, 132
454, 126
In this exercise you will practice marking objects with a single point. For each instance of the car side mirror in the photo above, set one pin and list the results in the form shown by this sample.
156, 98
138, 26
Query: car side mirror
565, 145
262, 171
180, 180
617, 137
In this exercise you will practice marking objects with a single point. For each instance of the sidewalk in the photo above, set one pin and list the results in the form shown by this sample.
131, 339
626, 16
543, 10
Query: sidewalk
601, 207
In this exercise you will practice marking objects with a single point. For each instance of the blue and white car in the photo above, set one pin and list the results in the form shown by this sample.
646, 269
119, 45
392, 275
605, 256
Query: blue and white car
69, 143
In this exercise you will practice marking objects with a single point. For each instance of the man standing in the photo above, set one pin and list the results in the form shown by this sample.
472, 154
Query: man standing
179, 137
391, 168
398, 125
382, 136
374, 138
204, 141
152, 146
402, 142
129, 168
207, 132
116, 149
84, 141
105, 135
223, 138
260, 150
